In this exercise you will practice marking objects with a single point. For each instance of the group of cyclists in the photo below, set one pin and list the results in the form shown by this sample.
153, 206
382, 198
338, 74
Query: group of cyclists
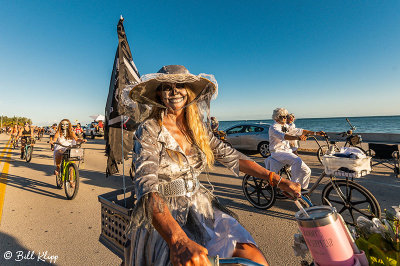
63, 133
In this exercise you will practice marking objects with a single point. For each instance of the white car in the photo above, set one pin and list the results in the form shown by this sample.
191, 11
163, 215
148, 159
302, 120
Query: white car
249, 136
91, 131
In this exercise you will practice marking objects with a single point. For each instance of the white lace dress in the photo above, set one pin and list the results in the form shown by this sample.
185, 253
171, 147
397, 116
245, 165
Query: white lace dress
66, 142
199, 213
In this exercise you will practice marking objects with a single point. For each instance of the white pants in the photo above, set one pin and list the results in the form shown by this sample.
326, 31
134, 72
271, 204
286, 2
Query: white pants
301, 173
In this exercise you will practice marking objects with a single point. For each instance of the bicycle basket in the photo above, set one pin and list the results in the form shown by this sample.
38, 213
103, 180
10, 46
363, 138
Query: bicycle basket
76, 153
115, 219
355, 140
346, 167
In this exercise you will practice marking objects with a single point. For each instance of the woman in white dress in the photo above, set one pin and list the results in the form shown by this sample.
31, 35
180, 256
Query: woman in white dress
65, 136
177, 220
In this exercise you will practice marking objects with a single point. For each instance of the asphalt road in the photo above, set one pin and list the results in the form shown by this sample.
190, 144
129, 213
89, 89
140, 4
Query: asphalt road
37, 217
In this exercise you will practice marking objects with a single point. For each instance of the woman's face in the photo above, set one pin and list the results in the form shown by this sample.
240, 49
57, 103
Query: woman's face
282, 119
173, 95
64, 125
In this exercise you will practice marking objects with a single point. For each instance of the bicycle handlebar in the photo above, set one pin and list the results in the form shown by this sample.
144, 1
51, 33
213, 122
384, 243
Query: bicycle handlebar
221, 261
78, 145
352, 127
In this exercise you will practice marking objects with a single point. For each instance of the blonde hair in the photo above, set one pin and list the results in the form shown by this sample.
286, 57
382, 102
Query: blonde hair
69, 130
197, 131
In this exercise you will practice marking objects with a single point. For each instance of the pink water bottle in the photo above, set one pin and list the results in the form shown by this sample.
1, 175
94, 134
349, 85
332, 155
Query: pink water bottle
325, 236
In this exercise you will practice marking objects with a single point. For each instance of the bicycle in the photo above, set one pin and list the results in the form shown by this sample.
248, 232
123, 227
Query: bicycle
68, 175
28, 149
352, 140
14, 142
344, 195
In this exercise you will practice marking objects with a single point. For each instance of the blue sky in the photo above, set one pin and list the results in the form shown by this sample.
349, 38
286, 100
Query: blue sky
316, 58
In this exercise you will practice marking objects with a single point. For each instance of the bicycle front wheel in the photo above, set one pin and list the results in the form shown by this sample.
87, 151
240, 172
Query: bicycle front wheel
258, 192
28, 154
71, 181
351, 200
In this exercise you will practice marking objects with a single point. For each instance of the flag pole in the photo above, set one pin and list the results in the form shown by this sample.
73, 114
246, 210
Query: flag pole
123, 159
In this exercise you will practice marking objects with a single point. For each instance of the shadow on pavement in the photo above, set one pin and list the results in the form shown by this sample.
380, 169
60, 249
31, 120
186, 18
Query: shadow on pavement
32, 185
96, 178
17, 254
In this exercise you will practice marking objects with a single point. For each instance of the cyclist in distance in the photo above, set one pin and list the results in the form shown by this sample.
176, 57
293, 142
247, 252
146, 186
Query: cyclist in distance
52, 132
79, 131
65, 136
25, 133
294, 144
279, 137
14, 132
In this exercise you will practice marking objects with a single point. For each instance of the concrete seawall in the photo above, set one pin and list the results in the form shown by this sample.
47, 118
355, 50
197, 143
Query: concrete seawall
383, 138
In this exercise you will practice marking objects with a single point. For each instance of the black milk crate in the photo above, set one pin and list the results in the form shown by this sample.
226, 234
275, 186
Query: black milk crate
115, 218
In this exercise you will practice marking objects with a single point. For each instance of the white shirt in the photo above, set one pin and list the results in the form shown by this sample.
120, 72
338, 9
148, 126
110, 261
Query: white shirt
277, 142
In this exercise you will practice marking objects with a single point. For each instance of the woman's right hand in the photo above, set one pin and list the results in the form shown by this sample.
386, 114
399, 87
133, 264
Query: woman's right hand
188, 252
292, 189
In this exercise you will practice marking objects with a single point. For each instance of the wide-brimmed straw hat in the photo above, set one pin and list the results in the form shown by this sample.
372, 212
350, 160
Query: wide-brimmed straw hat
146, 90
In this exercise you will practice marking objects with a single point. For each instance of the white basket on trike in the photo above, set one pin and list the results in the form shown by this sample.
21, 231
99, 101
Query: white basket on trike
346, 167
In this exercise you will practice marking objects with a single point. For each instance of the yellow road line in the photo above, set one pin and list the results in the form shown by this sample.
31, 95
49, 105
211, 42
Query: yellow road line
4, 150
3, 176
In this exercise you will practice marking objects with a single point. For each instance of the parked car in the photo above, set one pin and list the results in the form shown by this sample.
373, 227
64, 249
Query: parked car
92, 132
249, 136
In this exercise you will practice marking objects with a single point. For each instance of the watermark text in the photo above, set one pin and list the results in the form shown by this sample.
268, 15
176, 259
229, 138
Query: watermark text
29, 255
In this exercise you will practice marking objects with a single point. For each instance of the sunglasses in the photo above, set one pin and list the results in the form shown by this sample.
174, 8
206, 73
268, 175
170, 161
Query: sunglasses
170, 87
65, 124
282, 117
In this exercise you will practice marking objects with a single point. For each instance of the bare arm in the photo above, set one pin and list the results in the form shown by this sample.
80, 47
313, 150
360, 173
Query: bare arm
290, 137
77, 139
254, 169
54, 138
183, 251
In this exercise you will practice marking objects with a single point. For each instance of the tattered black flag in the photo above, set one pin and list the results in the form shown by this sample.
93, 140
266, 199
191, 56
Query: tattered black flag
117, 117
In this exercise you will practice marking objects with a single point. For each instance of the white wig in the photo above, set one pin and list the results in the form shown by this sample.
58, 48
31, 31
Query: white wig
279, 112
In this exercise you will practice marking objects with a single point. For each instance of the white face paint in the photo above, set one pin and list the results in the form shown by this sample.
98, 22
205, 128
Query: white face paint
173, 97
64, 128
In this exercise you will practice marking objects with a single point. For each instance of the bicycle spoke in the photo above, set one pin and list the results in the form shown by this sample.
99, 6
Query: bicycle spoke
254, 191
342, 209
251, 185
336, 201
347, 191
264, 196
349, 196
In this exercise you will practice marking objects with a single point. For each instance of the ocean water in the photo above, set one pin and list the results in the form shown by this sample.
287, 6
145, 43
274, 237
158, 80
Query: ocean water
366, 124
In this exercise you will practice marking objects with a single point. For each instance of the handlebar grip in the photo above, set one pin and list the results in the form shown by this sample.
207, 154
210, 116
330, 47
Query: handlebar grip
214, 260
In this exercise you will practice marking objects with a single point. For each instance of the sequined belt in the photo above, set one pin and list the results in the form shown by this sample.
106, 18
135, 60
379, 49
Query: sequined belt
179, 187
